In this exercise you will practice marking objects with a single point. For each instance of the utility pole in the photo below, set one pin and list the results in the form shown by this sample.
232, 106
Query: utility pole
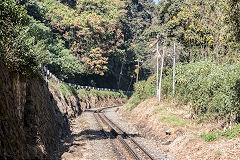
160, 82
174, 68
137, 74
120, 75
157, 50
157, 64
138, 68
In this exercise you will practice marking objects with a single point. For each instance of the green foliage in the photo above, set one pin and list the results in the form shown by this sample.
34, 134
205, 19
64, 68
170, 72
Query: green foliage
81, 37
102, 94
138, 19
209, 88
25, 43
90, 37
16, 49
205, 30
67, 91
51, 50
93, 38
209, 137
208, 32
230, 132
144, 90
12, 15
233, 17
91, 30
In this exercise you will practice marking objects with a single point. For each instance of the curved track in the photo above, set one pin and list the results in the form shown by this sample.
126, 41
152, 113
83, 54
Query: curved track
134, 149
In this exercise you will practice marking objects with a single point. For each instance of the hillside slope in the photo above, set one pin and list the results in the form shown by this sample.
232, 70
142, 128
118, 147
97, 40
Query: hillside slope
35, 115
31, 122
193, 139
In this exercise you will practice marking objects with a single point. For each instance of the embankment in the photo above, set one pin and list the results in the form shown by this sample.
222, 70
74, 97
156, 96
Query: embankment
35, 115
191, 138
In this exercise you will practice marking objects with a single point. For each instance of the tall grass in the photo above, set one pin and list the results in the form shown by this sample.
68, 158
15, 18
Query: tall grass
143, 90
211, 89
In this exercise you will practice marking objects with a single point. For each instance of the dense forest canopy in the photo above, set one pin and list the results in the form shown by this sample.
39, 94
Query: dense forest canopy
97, 42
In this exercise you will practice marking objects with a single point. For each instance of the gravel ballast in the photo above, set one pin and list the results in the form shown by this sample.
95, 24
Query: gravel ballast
148, 144
89, 142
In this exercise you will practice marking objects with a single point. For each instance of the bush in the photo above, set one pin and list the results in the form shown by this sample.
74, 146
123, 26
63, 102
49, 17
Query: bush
231, 132
15, 46
67, 91
211, 89
209, 137
145, 89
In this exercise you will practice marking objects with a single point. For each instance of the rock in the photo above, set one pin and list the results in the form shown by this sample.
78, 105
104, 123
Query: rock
170, 131
30, 118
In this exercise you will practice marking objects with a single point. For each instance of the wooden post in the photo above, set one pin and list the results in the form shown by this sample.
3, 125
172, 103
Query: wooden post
138, 68
160, 81
174, 68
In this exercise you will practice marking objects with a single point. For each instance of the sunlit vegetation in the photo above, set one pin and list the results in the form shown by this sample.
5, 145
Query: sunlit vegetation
211, 89
207, 38
97, 42
204, 30
230, 133
69, 91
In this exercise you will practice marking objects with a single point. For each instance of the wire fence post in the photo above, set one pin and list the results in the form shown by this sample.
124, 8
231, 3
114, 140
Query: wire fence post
48, 75
160, 81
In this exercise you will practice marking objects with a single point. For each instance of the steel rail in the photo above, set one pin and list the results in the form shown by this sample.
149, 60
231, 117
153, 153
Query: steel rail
108, 135
125, 134
129, 149
120, 133
118, 136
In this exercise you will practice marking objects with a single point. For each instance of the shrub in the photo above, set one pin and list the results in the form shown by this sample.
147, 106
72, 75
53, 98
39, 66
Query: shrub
231, 132
144, 90
15, 46
209, 137
211, 89
67, 91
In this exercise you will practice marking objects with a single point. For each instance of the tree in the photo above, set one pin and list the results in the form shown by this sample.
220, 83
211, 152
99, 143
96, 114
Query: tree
138, 19
91, 30
202, 28
15, 51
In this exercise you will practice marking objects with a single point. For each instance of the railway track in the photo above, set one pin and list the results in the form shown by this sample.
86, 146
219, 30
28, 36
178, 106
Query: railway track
112, 131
